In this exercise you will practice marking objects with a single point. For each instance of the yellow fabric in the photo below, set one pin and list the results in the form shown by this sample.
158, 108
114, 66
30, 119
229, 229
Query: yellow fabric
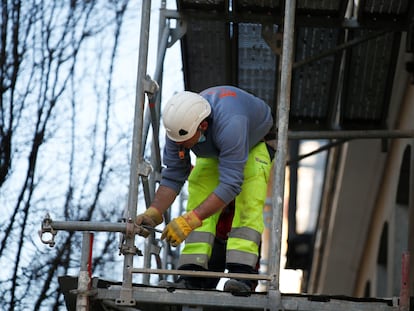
204, 178
241, 244
193, 248
151, 217
250, 201
154, 214
179, 228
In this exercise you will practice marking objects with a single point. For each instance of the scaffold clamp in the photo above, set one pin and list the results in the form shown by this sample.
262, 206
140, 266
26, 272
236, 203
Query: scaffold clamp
144, 169
47, 233
150, 86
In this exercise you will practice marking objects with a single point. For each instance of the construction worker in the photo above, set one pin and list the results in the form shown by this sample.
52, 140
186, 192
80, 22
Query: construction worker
224, 127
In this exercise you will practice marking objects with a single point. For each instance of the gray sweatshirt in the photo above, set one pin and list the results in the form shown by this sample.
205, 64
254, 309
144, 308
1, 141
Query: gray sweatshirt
238, 121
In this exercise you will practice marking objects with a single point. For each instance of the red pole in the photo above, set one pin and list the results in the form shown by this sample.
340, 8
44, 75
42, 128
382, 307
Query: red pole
405, 282
90, 255
85, 273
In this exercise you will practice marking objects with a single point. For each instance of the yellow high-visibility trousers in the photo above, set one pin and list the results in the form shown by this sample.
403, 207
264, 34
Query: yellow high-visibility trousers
247, 226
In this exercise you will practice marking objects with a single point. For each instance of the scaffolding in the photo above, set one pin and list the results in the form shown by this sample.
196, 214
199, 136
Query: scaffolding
129, 296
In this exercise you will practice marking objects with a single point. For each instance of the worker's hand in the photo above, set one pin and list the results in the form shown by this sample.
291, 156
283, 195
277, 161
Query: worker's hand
179, 228
152, 217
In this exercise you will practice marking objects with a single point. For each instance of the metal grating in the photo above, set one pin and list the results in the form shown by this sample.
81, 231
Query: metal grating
321, 13
219, 51
218, 5
312, 83
205, 65
322, 5
397, 7
256, 63
369, 79
379, 13
258, 6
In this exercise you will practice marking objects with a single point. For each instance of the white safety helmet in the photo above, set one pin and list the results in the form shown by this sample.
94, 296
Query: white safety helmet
183, 113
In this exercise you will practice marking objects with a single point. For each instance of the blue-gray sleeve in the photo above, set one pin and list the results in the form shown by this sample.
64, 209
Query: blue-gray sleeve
176, 170
234, 149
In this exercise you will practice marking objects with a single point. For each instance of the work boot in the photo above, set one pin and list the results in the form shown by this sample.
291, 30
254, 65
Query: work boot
240, 287
194, 282
179, 284
237, 287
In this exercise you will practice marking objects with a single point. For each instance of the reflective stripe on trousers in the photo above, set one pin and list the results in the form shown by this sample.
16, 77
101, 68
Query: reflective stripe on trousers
244, 238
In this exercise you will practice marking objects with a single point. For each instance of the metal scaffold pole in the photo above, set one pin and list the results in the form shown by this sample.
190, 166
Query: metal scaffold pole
136, 154
282, 122
84, 280
152, 117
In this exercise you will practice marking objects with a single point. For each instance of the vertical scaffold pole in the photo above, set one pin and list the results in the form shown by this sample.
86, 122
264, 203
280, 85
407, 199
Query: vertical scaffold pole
405, 283
282, 122
155, 112
136, 153
84, 280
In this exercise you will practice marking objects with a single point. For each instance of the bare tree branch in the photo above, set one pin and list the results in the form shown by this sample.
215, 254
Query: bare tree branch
39, 75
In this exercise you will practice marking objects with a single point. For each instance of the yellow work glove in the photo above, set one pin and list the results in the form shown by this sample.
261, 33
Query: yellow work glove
151, 217
179, 228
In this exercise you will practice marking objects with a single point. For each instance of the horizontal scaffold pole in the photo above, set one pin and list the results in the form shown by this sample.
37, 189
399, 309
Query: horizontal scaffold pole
88, 226
204, 274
